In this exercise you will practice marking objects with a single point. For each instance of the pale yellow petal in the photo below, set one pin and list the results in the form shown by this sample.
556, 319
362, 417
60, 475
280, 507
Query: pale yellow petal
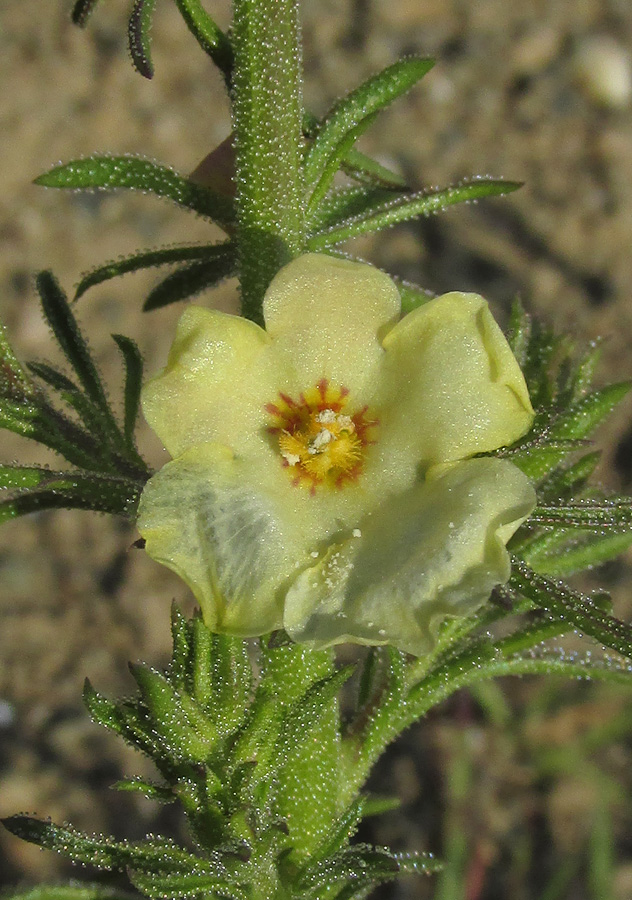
451, 385
203, 517
436, 550
216, 382
327, 316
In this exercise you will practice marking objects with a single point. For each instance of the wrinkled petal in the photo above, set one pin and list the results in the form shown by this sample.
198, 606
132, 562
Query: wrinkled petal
215, 384
451, 385
434, 551
202, 517
327, 316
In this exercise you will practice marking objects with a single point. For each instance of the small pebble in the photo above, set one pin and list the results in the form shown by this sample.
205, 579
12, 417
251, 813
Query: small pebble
604, 69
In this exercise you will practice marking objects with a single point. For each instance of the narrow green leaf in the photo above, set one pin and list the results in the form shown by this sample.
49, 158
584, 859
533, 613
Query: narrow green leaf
65, 328
232, 681
147, 259
158, 885
208, 35
411, 206
342, 830
332, 164
159, 792
15, 384
569, 479
581, 419
412, 296
368, 171
19, 477
81, 891
52, 377
540, 457
82, 11
181, 639
561, 602
345, 203
570, 551
133, 382
597, 515
582, 377
139, 174
369, 677
187, 733
101, 710
357, 165
519, 332
351, 111
103, 851
138, 32
74, 490
189, 281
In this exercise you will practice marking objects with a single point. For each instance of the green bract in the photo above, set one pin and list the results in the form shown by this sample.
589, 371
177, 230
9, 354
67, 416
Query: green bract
323, 479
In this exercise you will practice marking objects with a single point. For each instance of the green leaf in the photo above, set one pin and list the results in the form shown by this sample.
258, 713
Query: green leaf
561, 602
519, 332
103, 851
82, 891
133, 382
147, 259
159, 792
368, 171
595, 515
15, 383
135, 173
186, 732
344, 203
333, 164
583, 417
190, 280
52, 377
139, 36
19, 477
569, 479
412, 296
82, 11
208, 35
569, 551
352, 112
73, 490
181, 639
158, 885
357, 165
411, 206
65, 328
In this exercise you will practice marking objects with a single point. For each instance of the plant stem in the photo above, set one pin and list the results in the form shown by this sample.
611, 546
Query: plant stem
268, 112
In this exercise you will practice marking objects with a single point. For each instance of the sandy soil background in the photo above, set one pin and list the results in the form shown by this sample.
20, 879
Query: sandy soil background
540, 92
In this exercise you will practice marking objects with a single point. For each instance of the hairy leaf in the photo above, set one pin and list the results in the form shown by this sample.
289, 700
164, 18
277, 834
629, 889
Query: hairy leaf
358, 106
133, 382
208, 35
561, 602
411, 206
138, 261
139, 36
190, 280
82, 10
135, 173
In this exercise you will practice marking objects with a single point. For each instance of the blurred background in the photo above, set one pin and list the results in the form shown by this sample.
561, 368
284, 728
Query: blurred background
524, 786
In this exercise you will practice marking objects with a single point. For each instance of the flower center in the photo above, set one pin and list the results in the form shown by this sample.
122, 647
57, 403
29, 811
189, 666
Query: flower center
320, 439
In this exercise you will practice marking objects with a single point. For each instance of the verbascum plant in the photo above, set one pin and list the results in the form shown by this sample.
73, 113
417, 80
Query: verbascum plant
352, 461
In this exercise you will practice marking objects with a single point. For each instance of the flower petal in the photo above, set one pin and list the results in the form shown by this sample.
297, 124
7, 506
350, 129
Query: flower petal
452, 385
215, 384
434, 551
202, 517
327, 316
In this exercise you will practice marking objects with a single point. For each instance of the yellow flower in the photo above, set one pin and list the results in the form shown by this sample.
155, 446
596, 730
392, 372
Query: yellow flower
323, 479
